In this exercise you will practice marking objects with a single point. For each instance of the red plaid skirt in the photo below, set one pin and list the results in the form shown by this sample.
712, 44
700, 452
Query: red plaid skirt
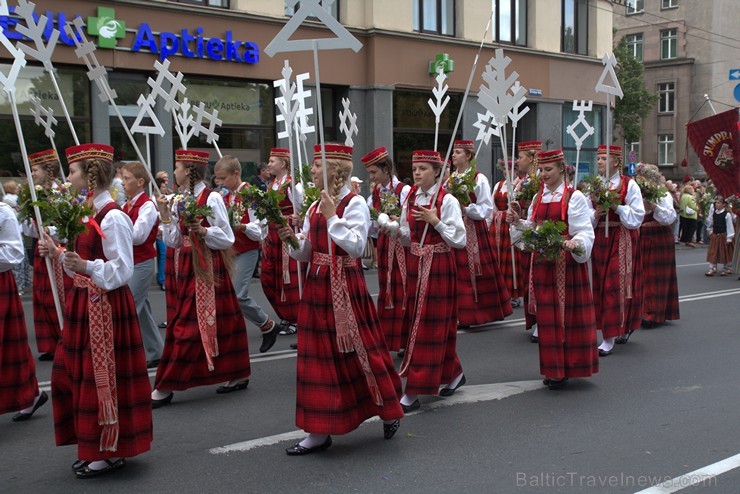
493, 303
183, 364
284, 298
74, 395
391, 318
529, 319
332, 396
434, 361
45, 321
503, 254
606, 283
719, 251
575, 355
18, 385
660, 286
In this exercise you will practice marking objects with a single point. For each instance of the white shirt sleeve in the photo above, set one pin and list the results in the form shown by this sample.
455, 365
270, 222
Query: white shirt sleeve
304, 250
219, 235
730, 229
709, 220
255, 230
579, 225
350, 231
146, 220
664, 212
451, 225
482, 208
632, 212
11, 242
404, 194
118, 247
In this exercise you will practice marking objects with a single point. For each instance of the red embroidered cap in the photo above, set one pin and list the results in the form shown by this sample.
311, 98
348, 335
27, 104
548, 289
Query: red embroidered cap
426, 156
615, 151
530, 146
333, 152
374, 157
89, 151
191, 156
43, 157
463, 145
280, 153
552, 156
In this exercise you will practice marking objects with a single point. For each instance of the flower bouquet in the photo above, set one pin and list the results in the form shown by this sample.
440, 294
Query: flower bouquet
25, 203
650, 192
600, 193
461, 185
528, 189
547, 240
236, 212
266, 206
311, 193
66, 209
705, 201
188, 211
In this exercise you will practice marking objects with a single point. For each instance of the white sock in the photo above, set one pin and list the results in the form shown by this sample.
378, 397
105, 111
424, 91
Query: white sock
314, 440
536, 330
388, 422
100, 465
407, 399
455, 381
160, 395
607, 344
30, 409
234, 382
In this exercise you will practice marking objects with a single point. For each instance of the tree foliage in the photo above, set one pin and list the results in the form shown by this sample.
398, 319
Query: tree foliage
637, 102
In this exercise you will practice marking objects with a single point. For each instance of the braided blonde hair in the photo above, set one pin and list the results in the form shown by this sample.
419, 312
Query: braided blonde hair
342, 169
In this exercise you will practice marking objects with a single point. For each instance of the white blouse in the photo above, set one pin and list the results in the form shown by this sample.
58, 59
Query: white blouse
709, 222
374, 227
118, 248
348, 232
11, 242
664, 213
632, 212
219, 235
450, 226
580, 228
145, 221
289, 191
482, 208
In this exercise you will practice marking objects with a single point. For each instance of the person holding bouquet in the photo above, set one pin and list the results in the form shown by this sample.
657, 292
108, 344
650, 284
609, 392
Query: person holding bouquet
387, 197
345, 373
279, 272
99, 383
206, 339
616, 264
482, 294
559, 291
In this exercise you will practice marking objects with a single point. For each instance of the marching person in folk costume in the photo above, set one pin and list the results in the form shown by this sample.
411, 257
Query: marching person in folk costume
721, 237
389, 193
206, 340
280, 272
482, 296
19, 389
99, 383
616, 264
431, 355
248, 233
658, 252
45, 171
736, 250
559, 291
143, 213
345, 373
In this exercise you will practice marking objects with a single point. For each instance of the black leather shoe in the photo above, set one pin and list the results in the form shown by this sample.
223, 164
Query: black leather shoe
222, 390
401, 353
647, 324
269, 337
604, 353
546, 381
162, 325
389, 430
451, 391
86, 472
298, 450
294, 346
557, 383
534, 339
153, 364
22, 417
163, 402
621, 340
410, 408
79, 465
46, 357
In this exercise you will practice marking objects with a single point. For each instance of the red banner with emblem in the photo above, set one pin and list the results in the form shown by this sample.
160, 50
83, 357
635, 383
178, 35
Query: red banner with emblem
716, 141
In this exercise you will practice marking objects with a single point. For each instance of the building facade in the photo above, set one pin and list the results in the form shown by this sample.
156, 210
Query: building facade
689, 49
554, 45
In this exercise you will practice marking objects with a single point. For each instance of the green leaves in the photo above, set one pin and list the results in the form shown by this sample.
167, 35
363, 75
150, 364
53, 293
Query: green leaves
462, 185
600, 193
547, 240
266, 206
637, 102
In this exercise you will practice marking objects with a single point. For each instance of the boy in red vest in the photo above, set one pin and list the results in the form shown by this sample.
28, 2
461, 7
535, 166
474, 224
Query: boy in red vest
143, 213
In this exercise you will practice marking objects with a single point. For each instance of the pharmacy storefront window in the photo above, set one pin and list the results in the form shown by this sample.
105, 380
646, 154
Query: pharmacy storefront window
34, 82
128, 88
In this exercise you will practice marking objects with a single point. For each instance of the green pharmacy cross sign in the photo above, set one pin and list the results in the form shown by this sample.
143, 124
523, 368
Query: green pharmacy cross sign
106, 27
442, 60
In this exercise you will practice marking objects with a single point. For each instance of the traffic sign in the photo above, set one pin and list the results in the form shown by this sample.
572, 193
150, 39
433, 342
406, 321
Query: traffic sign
737, 92
631, 170
735, 75
632, 156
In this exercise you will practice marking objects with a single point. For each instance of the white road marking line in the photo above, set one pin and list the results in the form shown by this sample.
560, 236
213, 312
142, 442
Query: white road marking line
697, 477
690, 265
467, 394
701, 296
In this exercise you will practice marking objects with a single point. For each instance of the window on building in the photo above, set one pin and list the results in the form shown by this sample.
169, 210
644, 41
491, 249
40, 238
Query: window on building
668, 44
667, 93
574, 38
669, 4
635, 6
332, 6
210, 3
665, 150
510, 22
434, 16
634, 45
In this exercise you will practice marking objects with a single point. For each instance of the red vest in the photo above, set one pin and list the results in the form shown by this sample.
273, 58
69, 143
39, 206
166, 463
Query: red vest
145, 251
242, 243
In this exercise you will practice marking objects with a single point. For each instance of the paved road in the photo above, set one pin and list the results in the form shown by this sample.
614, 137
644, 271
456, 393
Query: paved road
662, 406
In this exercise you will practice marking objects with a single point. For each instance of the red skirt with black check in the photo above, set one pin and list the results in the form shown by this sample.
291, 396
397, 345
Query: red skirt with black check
74, 394
494, 302
45, 320
284, 297
183, 364
660, 285
503, 254
391, 318
18, 385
